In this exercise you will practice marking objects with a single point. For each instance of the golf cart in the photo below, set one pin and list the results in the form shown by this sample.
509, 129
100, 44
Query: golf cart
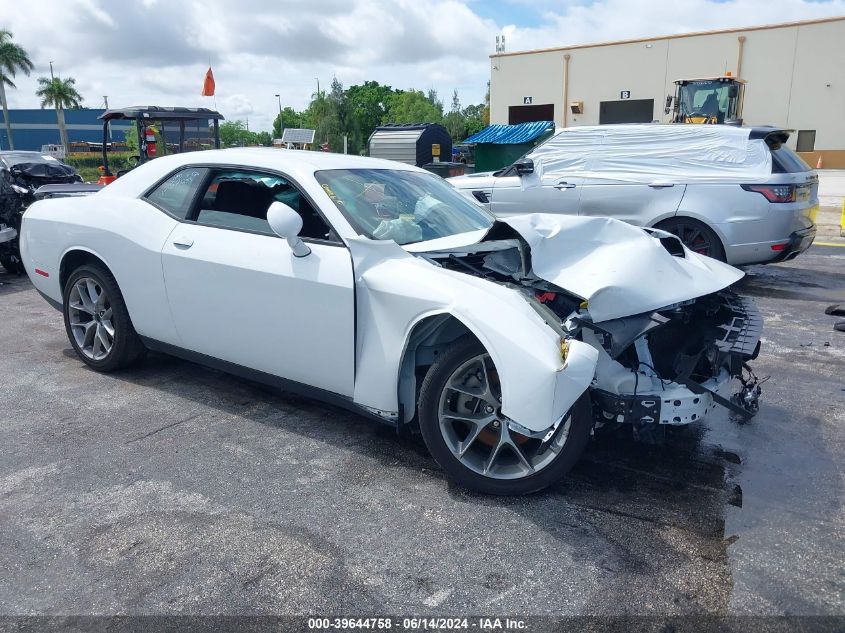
189, 126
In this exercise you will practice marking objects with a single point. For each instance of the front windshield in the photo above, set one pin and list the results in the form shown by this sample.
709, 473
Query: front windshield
403, 206
705, 98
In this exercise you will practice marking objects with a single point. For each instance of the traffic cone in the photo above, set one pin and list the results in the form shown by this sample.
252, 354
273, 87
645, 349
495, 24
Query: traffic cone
819, 162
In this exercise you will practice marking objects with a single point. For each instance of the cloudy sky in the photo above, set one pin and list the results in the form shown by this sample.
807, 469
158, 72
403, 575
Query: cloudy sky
157, 51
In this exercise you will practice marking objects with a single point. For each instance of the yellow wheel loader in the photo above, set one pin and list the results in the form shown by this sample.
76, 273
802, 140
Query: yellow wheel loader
707, 100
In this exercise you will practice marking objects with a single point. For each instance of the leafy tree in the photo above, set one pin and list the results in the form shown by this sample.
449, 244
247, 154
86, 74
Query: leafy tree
288, 118
435, 100
367, 107
235, 134
265, 139
411, 106
318, 117
61, 94
454, 121
336, 123
131, 138
474, 118
13, 59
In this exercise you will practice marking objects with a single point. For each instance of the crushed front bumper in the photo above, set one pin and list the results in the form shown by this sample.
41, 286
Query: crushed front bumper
676, 406
682, 400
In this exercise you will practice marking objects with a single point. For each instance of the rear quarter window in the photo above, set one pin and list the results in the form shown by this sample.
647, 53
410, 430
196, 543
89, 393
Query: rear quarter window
176, 193
785, 161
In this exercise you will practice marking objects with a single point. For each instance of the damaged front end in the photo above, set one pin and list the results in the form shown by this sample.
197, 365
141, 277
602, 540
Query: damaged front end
19, 187
658, 367
670, 366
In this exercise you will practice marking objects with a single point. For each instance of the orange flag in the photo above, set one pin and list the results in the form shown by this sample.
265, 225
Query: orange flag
208, 84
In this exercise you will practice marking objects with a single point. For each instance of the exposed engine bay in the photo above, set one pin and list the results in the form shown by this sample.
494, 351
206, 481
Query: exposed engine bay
664, 367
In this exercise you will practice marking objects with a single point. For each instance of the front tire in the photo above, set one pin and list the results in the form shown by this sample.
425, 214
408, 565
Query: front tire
12, 264
463, 427
97, 321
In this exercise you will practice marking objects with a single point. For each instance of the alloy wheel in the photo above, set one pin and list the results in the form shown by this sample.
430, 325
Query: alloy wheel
90, 318
478, 434
694, 238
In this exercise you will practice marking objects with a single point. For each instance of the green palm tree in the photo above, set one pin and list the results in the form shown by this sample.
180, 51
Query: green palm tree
13, 58
61, 94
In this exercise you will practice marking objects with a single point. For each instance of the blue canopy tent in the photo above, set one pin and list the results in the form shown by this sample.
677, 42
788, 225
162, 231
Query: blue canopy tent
497, 146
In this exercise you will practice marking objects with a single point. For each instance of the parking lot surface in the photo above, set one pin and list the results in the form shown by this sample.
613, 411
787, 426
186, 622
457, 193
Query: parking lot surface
171, 488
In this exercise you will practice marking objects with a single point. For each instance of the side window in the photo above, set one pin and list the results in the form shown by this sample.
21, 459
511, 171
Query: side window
239, 199
174, 195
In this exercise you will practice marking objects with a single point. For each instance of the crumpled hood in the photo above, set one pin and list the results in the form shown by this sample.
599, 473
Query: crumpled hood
618, 268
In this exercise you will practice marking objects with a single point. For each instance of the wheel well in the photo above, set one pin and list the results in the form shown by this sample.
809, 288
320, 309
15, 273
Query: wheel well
73, 260
425, 343
688, 218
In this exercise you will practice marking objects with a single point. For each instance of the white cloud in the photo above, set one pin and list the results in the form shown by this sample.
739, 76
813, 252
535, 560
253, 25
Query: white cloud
151, 52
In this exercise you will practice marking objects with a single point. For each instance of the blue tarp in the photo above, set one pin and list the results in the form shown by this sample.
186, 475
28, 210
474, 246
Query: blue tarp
511, 134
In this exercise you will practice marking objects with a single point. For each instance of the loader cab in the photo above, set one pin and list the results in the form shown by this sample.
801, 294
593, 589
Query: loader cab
159, 131
708, 100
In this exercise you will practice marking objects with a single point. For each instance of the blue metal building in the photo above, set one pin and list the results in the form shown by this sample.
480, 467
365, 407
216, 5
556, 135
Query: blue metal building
36, 127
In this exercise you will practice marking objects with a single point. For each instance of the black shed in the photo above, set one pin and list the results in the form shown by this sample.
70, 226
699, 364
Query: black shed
410, 142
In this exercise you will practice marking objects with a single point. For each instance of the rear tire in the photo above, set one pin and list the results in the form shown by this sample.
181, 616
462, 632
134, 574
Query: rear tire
97, 321
696, 236
467, 435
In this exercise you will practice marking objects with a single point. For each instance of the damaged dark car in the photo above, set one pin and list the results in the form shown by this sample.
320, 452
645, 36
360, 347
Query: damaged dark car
22, 174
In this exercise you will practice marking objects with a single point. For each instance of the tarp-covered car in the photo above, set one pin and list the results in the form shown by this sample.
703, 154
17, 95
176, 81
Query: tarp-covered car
378, 287
737, 194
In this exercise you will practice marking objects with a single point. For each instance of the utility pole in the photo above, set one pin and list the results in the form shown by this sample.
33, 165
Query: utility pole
318, 86
52, 76
281, 122
106, 101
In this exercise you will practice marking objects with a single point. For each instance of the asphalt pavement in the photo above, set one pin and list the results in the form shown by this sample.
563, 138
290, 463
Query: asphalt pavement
172, 488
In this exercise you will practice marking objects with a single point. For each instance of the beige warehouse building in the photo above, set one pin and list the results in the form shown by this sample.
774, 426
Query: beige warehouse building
795, 76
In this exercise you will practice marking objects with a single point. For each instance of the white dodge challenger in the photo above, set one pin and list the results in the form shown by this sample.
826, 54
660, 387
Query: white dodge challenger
376, 286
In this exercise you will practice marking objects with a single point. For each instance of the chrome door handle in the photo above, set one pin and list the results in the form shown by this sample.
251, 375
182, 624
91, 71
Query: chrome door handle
661, 185
184, 242
564, 185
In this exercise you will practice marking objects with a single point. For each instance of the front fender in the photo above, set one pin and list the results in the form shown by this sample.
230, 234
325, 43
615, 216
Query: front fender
394, 290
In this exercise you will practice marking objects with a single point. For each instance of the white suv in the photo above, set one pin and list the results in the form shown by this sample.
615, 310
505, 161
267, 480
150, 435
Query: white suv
737, 194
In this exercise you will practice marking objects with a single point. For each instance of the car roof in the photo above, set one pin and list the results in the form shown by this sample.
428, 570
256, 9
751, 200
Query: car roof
288, 158
771, 134
299, 165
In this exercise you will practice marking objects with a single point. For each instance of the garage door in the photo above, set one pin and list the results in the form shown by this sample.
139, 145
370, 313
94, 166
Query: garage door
530, 113
627, 111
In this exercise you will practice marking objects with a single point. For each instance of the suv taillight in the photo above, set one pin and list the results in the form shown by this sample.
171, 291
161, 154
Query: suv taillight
774, 193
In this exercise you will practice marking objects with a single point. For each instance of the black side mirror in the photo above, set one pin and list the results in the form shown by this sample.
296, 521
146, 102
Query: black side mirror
733, 92
524, 167
668, 107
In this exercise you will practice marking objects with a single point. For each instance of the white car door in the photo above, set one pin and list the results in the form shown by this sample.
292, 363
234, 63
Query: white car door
237, 292
535, 193
638, 203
